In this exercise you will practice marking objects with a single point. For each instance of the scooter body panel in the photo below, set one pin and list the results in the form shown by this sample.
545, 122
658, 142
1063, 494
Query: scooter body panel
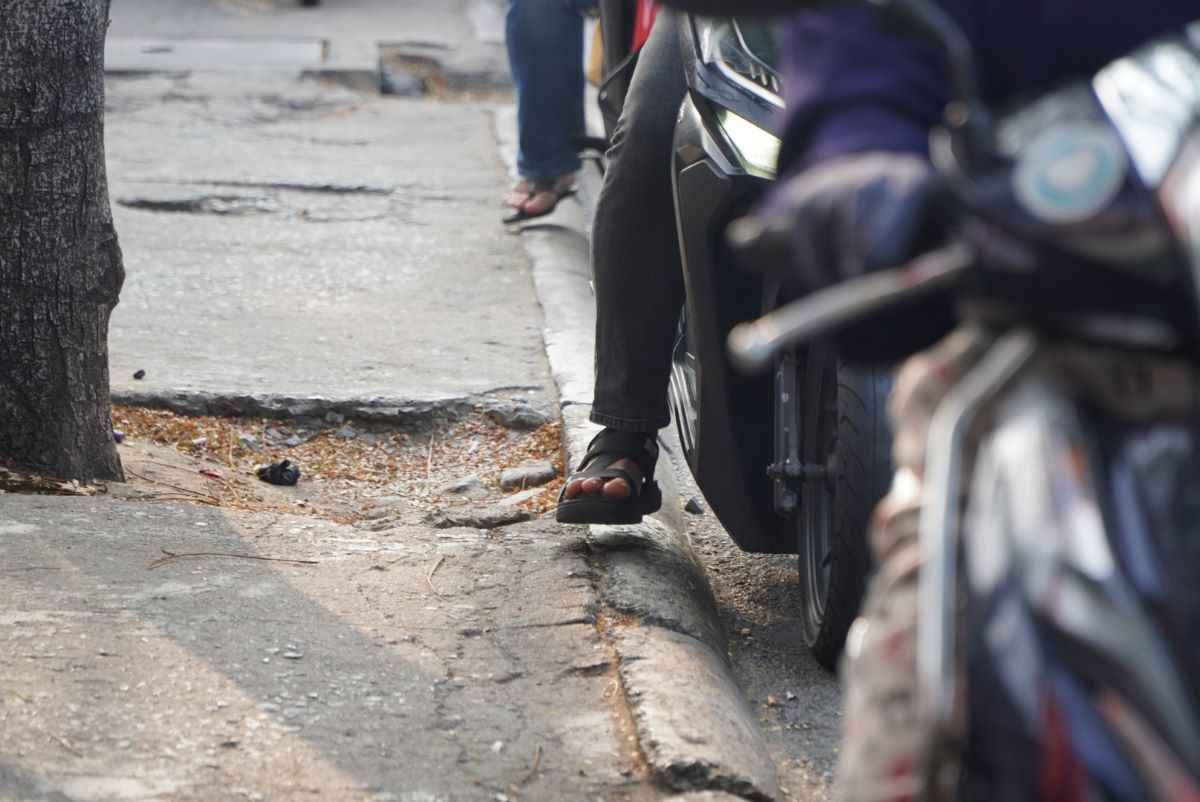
726, 420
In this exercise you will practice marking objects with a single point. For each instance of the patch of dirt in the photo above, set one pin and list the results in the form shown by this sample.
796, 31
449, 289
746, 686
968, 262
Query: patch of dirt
346, 475
17, 480
421, 72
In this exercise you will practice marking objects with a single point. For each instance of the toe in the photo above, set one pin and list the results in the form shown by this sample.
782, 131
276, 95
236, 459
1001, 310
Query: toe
592, 487
539, 203
516, 198
573, 489
618, 490
514, 201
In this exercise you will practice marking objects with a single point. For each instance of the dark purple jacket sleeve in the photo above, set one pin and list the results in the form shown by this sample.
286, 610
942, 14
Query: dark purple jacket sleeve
853, 87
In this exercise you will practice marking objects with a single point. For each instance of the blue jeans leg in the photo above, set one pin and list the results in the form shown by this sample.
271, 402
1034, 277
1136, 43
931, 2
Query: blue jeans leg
545, 52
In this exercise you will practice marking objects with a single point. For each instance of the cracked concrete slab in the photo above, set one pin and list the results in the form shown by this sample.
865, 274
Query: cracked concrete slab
161, 54
312, 411
348, 32
296, 241
403, 665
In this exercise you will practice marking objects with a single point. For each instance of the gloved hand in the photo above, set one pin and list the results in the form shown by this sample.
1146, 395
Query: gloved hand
846, 217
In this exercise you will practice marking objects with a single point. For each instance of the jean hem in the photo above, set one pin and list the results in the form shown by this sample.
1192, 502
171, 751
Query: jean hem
644, 425
547, 175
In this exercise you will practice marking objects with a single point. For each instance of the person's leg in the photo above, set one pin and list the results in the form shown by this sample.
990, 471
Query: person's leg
545, 52
635, 248
635, 257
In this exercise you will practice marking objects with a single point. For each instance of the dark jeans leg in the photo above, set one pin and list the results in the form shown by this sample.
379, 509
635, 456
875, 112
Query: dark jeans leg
635, 250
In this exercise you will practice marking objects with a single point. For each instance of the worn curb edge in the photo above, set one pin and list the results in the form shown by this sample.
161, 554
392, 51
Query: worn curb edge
694, 724
390, 413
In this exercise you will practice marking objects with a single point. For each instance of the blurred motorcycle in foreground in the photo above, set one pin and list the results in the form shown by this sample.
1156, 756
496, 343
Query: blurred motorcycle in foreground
1055, 535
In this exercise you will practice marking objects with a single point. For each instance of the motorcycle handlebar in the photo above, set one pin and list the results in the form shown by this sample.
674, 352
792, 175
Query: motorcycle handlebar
754, 346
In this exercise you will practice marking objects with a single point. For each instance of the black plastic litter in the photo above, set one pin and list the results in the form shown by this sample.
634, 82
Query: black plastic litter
141, 374
279, 473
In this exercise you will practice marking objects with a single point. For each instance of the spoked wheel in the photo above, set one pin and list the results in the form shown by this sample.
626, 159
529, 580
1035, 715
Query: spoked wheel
846, 448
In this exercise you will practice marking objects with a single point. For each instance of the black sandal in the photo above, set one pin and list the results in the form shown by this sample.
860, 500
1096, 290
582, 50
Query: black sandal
606, 448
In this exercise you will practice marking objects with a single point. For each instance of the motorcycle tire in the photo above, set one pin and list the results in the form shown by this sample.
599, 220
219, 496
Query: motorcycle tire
845, 430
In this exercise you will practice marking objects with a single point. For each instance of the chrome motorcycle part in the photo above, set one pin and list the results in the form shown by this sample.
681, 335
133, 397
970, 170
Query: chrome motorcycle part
939, 686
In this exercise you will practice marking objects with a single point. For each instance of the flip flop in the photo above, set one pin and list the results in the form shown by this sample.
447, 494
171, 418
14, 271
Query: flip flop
607, 448
558, 187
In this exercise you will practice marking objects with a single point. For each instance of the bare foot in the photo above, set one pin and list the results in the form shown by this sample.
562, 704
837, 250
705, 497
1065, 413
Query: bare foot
537, 198
614, 489
519, 194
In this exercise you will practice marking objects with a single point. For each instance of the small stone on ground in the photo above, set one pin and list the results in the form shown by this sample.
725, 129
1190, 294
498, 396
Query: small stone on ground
529, 474
477, 517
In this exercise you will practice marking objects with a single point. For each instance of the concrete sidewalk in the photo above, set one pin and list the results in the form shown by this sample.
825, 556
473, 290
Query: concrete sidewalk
295, 247
297, 240
339, 38
407, 664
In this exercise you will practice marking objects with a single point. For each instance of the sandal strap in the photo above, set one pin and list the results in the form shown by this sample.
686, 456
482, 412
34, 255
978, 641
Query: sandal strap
613, 473
640, 448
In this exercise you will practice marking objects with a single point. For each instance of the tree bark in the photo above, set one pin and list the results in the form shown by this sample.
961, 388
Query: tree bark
60, 264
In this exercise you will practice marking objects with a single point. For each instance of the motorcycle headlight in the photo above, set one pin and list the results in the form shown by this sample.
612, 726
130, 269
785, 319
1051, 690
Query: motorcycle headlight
758, 149
743, 53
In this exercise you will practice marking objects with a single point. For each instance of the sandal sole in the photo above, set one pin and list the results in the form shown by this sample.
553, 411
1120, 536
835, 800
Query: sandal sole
607, 511
520, 216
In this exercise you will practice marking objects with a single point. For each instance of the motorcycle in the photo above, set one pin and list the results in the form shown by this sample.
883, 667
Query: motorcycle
793, 464
1058, 628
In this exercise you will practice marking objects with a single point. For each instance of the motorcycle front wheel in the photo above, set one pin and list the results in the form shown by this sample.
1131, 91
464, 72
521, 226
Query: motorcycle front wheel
846, 446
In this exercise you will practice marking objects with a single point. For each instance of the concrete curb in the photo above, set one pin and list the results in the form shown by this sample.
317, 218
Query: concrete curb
694, 725
643, 560
380, 413
558, 252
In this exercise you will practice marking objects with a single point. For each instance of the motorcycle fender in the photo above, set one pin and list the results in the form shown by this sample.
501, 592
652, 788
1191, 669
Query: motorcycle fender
733, 442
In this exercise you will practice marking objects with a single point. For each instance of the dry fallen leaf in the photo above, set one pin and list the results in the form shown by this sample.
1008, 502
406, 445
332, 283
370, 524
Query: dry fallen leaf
370, 464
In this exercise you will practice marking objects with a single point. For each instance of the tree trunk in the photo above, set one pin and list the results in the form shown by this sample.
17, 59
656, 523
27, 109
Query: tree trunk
60, 264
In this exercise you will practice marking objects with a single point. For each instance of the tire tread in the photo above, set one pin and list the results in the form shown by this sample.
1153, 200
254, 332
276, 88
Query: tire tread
864, 461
